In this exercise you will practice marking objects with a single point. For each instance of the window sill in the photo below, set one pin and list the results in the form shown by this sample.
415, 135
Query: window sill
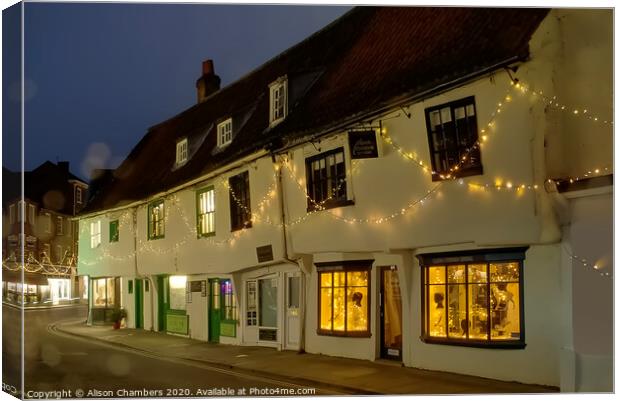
459, 174
206, 235
156, 238
508, 344
330, 205
354, 334
249, 225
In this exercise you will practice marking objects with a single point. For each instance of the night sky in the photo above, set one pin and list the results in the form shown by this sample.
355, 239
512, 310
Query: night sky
103, 73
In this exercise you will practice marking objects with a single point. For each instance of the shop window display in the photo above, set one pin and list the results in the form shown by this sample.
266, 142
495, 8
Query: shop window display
343, 302
478, 303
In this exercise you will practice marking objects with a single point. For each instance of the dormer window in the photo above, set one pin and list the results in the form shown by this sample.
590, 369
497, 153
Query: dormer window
224, 133
181, 151
278, 101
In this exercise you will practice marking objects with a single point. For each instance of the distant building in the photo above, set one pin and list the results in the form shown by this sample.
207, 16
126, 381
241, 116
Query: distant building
52, 197
431, 185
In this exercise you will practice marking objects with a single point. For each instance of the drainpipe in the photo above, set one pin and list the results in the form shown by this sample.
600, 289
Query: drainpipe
302, 306
135, 260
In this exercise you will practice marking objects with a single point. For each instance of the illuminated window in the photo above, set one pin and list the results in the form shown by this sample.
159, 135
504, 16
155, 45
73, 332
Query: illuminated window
95, 233
229, 311
240, 212
327, 180
344, 307
224, 133
181, 151
205, 212
114, 231
474, 298
177, 288
156, 219
452, 133
277, 101
59, 225
104, 292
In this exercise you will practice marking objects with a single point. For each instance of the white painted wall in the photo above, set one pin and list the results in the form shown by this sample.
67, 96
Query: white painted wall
128, 301
590, 237
538, 362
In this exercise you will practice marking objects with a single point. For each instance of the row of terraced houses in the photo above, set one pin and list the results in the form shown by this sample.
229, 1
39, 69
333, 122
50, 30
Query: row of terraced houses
431, 185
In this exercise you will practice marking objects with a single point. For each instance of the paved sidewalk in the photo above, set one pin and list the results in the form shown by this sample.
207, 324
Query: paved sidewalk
349, 375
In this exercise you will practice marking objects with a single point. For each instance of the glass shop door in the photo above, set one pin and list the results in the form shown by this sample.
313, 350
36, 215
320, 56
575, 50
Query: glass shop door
390, 314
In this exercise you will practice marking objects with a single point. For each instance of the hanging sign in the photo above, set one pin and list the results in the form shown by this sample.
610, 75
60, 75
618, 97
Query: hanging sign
264, 253
363, 144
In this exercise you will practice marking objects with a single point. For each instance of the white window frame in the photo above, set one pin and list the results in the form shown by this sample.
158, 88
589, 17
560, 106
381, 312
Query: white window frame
206, 212
59, 225
224, 133
48, 222
31, 213
95, 234
182, 151
278, 87
11, 214
78, 195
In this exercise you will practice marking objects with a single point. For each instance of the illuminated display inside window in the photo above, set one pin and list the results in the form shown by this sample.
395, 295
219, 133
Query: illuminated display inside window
343, 302
474, 302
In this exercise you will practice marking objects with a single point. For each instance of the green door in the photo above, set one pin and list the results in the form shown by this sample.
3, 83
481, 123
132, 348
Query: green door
215, 305
139, 304
162, 302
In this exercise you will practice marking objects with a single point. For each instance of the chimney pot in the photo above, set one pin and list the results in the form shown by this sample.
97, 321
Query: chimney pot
208, 83
207, 67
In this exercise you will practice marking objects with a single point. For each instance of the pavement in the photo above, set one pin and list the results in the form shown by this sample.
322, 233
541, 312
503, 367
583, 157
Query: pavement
348, 375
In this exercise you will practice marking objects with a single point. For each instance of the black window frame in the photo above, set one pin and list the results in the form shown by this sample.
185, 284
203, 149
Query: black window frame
240, 208
475, 257
318, 198
469, 149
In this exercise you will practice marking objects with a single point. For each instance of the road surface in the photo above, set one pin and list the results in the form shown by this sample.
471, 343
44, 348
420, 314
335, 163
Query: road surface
60, 365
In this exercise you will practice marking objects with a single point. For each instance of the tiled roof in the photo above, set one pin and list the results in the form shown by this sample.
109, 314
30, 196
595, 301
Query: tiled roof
364, 61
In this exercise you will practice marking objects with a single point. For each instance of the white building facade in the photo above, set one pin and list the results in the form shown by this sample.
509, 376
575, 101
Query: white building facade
463, 228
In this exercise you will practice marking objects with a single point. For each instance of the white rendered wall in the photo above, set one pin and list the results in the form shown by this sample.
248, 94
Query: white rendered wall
538, 361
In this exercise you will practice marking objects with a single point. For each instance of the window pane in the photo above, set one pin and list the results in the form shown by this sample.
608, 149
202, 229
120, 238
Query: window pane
177, 291
359, 279
293, 292
435, 119
437, 310
357, 308
326, 308
478, 311
436, 275
457, 311
477, 273
504, 271
456, 274
445, 115
268, 302
326, 279
505, 311
338, 279
339, 306
99, 293
459, 113
110, 292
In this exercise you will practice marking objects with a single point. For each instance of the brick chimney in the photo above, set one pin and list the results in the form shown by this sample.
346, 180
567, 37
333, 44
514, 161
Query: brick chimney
208, 83
64, 166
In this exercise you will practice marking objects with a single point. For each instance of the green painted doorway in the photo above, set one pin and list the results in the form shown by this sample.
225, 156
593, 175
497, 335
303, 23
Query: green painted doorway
139, 296
162, 302
215, 305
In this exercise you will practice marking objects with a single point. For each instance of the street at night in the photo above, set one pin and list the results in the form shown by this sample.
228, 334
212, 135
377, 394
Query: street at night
55, 362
